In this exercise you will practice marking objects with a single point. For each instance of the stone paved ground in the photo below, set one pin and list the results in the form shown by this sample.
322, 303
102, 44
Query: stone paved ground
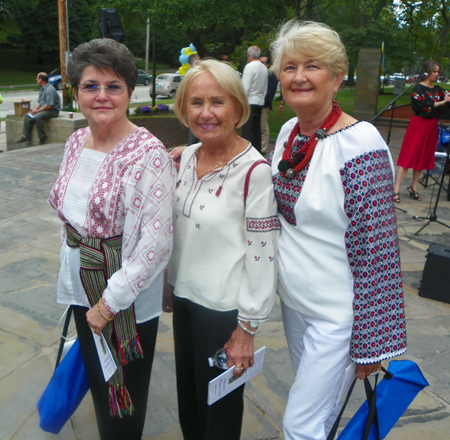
29, 246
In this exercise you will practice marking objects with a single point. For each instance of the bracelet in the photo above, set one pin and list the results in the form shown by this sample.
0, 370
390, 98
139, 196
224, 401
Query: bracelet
246, 330
101, 312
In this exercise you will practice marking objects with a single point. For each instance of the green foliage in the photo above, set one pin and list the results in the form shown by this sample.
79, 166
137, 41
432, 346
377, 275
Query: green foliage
411, 31
83, 22
8, 26
37, 21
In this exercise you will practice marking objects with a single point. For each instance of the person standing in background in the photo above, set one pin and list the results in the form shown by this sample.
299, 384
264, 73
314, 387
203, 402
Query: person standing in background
419, 144
254, 80
272, 83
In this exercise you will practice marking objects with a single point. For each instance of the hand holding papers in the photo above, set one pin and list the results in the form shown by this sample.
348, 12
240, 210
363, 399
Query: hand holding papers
105, 356
226, 382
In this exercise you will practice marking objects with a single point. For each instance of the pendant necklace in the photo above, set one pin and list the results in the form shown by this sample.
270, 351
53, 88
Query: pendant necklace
289, 166
220, 160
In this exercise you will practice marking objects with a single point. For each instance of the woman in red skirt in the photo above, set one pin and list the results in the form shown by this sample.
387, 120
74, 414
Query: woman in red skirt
420, 140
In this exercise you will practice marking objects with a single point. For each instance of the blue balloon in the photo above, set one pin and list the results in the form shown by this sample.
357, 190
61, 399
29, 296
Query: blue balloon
192, 47
184, 59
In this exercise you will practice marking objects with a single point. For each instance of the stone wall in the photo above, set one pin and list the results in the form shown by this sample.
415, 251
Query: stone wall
367, 84
57, 129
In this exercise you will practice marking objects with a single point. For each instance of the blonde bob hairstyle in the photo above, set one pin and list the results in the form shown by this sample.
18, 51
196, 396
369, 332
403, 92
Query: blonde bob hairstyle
225, 76
313, 40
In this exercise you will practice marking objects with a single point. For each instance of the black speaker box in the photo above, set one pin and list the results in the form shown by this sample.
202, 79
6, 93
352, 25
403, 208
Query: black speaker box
435, 283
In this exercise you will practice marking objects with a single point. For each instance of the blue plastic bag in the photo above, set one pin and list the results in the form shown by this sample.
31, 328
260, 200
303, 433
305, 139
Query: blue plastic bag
64, 392
395, 392
444, 137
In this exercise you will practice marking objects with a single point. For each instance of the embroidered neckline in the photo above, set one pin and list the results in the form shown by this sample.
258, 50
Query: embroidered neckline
291, 164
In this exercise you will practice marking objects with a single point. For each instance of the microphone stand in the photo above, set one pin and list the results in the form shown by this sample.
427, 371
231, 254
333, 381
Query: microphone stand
433, 216
392, 105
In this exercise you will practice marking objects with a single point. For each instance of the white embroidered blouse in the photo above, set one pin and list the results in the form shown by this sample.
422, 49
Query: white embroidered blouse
224, 254
131, 194
338, 251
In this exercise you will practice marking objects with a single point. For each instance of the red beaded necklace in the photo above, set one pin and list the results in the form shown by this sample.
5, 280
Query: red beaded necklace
288, 166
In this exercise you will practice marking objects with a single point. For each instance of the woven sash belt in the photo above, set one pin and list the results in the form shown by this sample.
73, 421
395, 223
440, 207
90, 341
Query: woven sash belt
99, 259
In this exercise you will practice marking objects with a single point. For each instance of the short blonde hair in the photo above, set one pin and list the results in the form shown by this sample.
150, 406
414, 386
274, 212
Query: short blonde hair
225, 76
314, 40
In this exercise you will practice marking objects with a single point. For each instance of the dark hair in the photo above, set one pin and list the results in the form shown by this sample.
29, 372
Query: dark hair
103, 54
269, 59
429, 66
43, 76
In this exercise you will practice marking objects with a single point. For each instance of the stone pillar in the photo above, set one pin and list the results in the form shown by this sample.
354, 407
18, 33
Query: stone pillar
367, 84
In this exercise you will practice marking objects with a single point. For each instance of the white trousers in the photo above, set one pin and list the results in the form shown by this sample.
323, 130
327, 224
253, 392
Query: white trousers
320, 356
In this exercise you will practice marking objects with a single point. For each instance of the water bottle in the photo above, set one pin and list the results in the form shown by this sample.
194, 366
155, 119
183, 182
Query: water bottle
219, 360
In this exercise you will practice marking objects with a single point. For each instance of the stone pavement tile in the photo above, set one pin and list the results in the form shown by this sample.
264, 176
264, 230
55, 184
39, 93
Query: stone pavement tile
39, 326
20, 230
11, 282
428, 339
431, 427
38, 304
31, 263
162, 408
417, 307
256, 425
15, 352
21, 390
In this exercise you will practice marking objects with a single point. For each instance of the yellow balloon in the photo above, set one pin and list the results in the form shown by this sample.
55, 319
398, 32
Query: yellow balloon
182, 70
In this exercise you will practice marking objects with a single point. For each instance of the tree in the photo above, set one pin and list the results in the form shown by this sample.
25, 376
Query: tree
37, 25
8, 26
83, 22
428, 24
212, 26
37, 21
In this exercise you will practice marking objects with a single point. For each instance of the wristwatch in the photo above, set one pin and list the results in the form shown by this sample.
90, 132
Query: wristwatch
246, 330
252, 324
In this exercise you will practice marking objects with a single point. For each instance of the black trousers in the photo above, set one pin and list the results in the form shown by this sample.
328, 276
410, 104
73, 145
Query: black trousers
198, 333
251, 130
136, 378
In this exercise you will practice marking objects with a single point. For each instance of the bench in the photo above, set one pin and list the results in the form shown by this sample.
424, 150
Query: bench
57, 130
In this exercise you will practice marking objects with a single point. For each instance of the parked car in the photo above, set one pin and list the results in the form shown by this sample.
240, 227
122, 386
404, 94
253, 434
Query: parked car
54, 78
144, 78
166, 84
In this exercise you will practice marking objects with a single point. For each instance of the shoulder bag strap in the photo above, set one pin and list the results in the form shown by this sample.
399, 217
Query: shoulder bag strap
247, 177
64, 334
335, 427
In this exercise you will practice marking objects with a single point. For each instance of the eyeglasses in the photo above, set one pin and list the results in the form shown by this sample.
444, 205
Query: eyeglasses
111, 89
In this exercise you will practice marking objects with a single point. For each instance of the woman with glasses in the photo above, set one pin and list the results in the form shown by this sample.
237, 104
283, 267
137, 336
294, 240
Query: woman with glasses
114, 196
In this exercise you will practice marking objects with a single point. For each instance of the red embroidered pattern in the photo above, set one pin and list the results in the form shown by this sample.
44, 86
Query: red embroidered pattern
266, 224
373, 255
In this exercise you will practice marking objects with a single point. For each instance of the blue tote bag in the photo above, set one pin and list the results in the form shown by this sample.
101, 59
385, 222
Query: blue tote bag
64, 392
385, 403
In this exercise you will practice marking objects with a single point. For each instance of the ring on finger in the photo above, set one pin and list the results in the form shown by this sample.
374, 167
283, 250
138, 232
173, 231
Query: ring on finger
239, 368
92, 329
374, 373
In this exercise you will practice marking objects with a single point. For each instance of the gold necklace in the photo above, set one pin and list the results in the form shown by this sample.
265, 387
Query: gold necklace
220, 160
